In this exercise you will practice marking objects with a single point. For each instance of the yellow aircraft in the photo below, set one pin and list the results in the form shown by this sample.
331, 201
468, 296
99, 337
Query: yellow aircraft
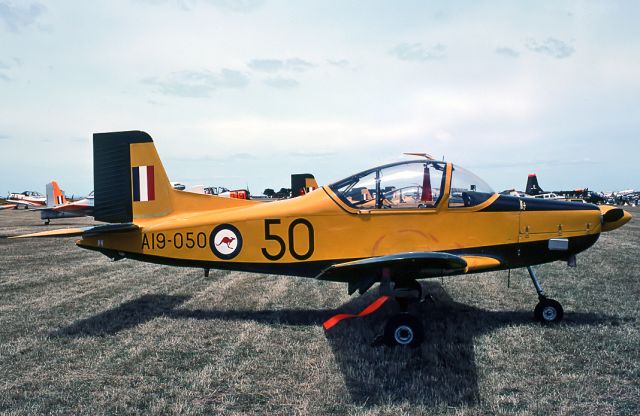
392, 225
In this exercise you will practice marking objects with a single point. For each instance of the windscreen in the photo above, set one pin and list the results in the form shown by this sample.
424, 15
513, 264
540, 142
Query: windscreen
467, 190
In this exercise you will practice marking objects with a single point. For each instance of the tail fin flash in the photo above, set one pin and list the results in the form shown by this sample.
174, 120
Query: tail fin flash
532, 185
302, 183
55, 196
130, 181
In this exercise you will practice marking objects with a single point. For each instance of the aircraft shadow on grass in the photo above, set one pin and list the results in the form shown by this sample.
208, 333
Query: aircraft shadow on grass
441, 371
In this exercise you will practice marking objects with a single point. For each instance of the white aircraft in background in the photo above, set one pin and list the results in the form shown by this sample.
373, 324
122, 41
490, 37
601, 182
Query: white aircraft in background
26, 199
59, 207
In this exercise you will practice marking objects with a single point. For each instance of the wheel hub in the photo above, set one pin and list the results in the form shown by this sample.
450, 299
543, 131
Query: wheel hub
549, 313
403, 335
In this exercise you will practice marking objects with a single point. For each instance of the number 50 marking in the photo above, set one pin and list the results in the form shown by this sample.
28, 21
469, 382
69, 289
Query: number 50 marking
268, 236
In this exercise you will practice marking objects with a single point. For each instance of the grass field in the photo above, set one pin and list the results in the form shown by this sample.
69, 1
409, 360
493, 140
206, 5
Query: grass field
82, 334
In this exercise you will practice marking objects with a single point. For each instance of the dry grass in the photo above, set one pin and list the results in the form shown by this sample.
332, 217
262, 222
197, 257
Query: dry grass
82, 334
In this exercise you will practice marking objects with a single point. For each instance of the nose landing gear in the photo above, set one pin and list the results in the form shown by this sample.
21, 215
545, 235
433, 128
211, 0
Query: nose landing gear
547, 310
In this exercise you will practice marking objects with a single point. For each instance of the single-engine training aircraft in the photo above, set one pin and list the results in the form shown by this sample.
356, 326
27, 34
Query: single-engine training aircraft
58, 206
391, 225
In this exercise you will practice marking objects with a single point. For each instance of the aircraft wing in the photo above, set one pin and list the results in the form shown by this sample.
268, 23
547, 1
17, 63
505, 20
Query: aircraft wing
364, 273
415, 264
8, 206
22, 202
73, 207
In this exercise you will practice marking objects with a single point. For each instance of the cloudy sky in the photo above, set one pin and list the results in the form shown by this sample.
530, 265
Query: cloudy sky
245, 92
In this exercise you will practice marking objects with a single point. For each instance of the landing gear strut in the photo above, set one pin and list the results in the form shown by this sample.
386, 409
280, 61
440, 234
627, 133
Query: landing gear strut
547, 310
402, 329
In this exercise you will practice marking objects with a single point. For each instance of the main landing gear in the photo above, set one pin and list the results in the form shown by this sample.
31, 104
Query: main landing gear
402, 329
547, 310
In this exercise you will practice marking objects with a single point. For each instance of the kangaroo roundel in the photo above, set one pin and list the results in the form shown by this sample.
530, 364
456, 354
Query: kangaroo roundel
226, 241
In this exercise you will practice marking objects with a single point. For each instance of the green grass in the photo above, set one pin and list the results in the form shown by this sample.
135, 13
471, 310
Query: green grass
82, 334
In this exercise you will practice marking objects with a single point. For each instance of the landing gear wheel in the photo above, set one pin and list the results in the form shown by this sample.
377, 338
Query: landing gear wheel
548, 311
403, 330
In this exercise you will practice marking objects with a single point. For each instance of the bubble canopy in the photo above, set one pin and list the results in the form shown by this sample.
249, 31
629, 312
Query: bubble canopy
413, 184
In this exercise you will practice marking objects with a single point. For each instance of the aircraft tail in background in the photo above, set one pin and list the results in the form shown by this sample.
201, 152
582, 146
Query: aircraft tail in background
55, 196
532, 185
302, 183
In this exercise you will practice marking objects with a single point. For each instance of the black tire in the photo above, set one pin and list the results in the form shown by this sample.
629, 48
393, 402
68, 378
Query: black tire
548, 311
403, 330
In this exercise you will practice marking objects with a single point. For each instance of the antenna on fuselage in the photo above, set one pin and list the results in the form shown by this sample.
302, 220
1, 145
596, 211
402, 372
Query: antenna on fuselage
425, 155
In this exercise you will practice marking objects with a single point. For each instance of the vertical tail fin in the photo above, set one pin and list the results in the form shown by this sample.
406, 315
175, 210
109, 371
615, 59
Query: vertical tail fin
55, 196
532, 185
302, 183
130, 181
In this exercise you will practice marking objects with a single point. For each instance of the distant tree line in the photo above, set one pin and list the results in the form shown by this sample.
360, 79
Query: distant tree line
282, 193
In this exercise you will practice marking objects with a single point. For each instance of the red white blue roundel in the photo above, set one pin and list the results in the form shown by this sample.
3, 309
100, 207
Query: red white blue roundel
225, 241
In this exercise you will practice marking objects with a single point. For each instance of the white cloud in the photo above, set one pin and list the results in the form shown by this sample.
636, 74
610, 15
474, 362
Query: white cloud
275, 65
467, 100
507, 52
16, 18
197, 84
417, 52
552, 47
281, 83
239, 6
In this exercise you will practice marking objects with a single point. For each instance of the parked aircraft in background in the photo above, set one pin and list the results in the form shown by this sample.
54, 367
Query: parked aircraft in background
59, 207
514, 192
226, 193
27, 199
625, 197
301, 184
584, 194
392, 224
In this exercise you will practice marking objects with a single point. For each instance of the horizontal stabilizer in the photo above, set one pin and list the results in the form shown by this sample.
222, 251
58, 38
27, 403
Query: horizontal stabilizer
65, 232
110, 228
85, 231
